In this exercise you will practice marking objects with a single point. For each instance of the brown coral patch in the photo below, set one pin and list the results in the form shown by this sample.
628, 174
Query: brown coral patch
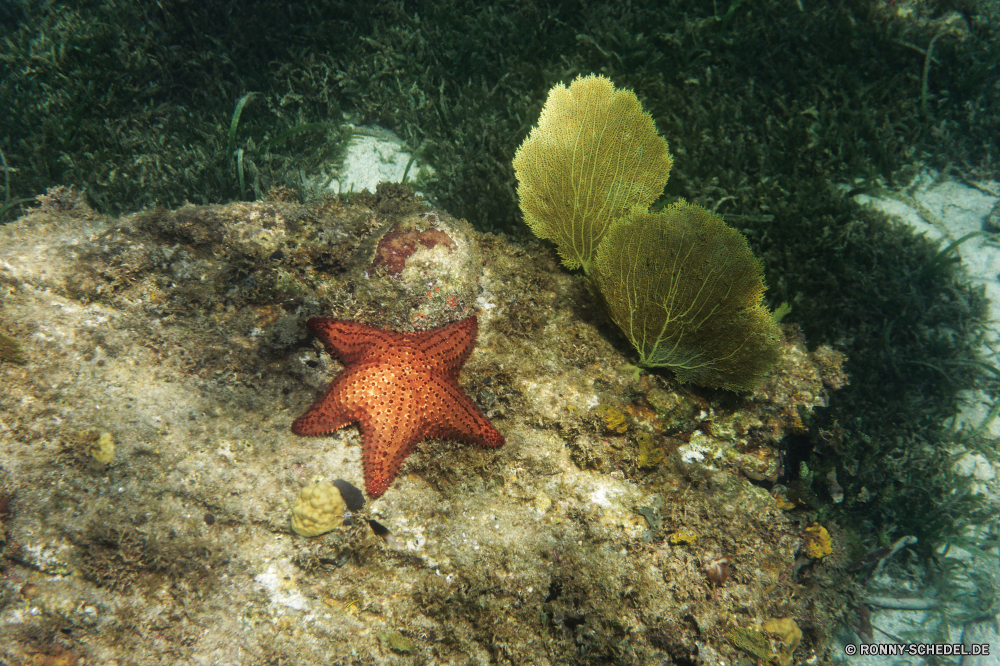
399, 244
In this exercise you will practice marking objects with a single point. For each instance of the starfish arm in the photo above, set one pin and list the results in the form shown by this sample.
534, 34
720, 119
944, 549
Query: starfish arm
385, 445
350, 341
448, 347
454, 416
328, 414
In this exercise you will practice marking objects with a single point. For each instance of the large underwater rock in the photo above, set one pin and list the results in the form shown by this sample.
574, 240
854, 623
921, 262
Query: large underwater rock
147, 468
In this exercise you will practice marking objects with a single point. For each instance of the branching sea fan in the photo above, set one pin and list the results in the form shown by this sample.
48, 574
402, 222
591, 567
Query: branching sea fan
684, 288
594, 158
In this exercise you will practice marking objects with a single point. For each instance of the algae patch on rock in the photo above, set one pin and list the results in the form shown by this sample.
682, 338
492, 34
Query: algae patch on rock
11, 350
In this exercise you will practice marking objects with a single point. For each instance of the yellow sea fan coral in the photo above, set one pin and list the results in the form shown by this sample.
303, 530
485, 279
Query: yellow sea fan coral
684, 287
594, 158
686, 290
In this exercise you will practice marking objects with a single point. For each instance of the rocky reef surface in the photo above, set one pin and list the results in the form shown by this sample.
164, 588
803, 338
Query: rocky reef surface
147, 467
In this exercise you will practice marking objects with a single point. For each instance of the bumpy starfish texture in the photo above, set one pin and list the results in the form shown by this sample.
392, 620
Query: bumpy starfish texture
400, 388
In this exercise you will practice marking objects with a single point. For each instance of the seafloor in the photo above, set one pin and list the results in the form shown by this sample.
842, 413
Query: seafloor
585, 539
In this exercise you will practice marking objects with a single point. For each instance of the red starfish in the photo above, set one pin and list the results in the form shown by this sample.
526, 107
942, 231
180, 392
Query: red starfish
400, 388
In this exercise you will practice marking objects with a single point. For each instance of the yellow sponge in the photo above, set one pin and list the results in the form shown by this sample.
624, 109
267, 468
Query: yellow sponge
817, 542
103, 449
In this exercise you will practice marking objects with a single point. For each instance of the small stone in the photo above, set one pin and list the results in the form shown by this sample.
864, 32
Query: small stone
974, 465
992, 221
836, 490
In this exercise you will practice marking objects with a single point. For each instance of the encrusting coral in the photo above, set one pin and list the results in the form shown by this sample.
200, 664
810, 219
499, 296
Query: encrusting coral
319, 509
684, 288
